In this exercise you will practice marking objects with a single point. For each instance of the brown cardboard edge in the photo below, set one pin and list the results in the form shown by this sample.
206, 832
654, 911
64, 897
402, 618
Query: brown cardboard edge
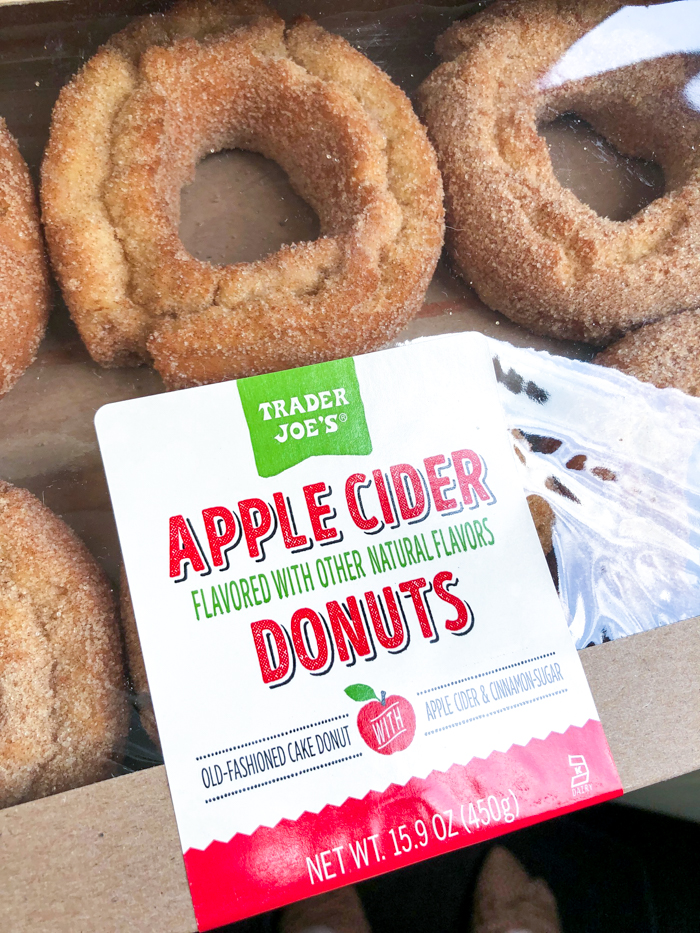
647, 691
106, 858
101, 859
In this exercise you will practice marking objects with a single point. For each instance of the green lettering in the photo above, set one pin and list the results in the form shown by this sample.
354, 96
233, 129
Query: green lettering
245, 592
196, 603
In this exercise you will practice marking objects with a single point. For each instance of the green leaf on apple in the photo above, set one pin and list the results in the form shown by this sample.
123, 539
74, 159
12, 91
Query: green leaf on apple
361, 692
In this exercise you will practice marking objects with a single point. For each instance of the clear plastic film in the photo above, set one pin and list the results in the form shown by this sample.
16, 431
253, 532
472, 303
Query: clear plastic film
618, 461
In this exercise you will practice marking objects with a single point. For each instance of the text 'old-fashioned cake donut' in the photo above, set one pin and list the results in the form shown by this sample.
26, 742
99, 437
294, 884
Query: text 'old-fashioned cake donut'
127, 134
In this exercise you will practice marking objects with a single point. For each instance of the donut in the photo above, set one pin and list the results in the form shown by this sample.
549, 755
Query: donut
544, 518
63, 709
666, 353
126, 135
528, 245
24, 290
137, 669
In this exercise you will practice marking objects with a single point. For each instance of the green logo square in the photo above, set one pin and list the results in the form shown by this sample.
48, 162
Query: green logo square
302, 413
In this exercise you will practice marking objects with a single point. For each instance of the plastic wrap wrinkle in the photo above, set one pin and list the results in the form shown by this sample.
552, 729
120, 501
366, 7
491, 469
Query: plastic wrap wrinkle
627, 529
632, 34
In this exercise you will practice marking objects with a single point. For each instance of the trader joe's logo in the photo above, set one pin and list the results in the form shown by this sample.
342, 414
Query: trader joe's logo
304, 413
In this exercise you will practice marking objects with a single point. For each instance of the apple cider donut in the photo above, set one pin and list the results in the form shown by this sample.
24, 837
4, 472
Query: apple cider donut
666, 353
24, 292
63, 710
127, 134
528, 245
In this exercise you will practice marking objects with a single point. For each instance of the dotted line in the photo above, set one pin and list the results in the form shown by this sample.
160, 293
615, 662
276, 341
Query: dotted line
495, 712
496, 670
279, 735
284, 777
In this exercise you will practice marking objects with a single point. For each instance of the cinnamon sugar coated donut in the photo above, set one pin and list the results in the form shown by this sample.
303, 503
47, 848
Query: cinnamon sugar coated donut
528, 245
63, 710
24, 292
127, 134
134, 656
666, 353
544, 518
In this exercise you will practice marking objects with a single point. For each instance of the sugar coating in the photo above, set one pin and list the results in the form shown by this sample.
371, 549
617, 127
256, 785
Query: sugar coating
127, 134
63, 709
529, 247
665, 353
24, 291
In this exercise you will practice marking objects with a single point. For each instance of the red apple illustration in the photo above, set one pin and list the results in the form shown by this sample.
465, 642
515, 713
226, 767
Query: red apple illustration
388, 724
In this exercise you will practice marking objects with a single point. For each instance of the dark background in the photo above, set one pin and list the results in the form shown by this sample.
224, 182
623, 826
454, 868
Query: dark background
613, 869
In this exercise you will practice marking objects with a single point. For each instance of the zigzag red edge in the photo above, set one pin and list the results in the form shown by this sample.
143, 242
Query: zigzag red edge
317, 852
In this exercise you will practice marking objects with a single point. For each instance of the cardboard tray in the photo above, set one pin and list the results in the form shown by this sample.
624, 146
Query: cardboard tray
107, 857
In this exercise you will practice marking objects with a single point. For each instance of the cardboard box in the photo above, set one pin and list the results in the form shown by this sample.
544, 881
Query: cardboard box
107, 857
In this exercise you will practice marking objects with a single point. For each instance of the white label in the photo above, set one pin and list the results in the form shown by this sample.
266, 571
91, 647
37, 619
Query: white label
413, 571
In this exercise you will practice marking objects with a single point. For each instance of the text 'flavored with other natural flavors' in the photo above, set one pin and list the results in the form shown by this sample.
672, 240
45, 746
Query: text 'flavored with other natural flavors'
356, 654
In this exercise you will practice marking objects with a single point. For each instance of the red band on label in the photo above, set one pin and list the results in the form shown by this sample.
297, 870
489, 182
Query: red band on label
400, 825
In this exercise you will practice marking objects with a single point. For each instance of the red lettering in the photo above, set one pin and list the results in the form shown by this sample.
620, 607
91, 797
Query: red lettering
256, 532
415, 590
396, 640
284, 513
222, 530
320, 513
384, 501
301, 620
183, 547
272, 668
351, 625
465, 617
433, 465
472, 479
408, 512
353, 501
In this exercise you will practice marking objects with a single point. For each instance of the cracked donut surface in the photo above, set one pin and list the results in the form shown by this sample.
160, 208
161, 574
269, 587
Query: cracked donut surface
24, 291
127, 134
63, 710
528, 245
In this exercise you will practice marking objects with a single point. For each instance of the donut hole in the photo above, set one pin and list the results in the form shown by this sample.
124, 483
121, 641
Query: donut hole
615, 186
323, 139
241, 207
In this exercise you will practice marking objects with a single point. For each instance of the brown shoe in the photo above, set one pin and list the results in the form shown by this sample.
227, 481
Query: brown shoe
336, 912
508, 900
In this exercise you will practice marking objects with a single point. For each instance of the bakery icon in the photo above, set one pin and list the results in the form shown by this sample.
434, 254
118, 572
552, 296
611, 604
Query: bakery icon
581, 772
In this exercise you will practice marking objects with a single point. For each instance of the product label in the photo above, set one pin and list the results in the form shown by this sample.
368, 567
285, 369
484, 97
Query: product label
356, 654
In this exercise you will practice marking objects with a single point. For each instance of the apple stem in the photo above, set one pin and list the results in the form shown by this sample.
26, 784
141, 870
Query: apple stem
383, 697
